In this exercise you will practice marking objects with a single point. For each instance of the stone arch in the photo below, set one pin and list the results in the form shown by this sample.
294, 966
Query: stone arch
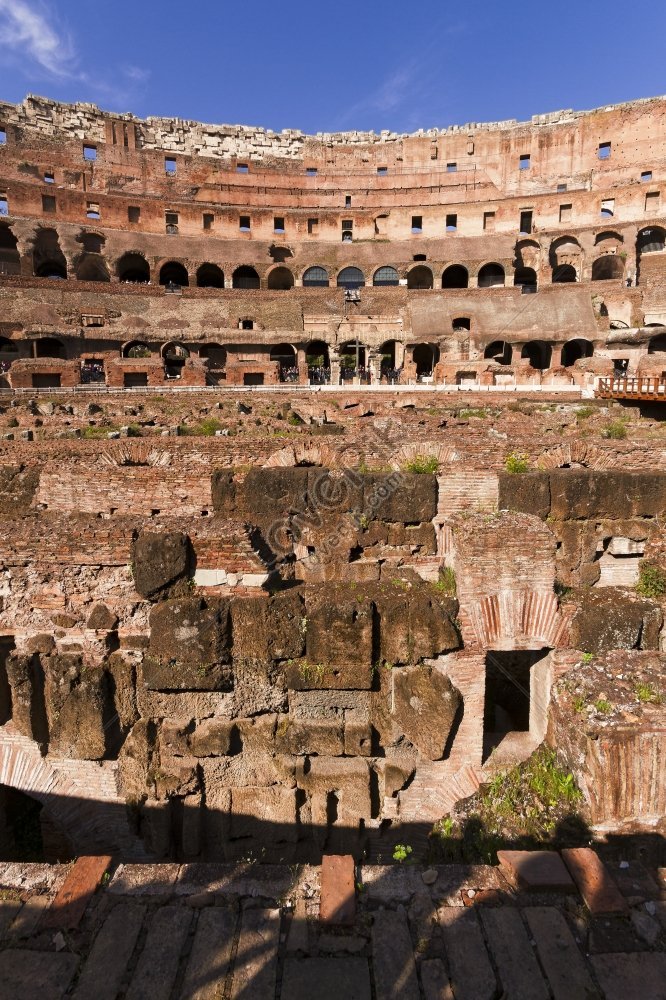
245, 277
608, 237
491, 276
513, 620
350, 277
408, 452
564, 274
525, 278
315, 277
135, 349
565, 256
538, 353
49, 347
574, 453
134, 453
425, 357
657, 345
301, 454
173, 272
576, 349
48, 259
280, 279
133, 268
499, 351
385, 276
10, 259
455, 276
420, 276
210, 276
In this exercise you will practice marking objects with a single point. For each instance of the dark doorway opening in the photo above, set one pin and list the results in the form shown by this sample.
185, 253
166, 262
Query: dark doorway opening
511, 684
253, 378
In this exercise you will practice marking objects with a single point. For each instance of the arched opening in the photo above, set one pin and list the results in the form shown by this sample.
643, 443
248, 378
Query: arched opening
652, 239
8, 353
133, 268
607, 267
657, 345
174, 356
92, 268
10, 260
538, 353
315, 277
280, 279
49, 347
48, 259
351, 277
574, 350
455, 276
385, 276
499, 351
420, 277
92, 242
461, 323
174, 273
388, 367
210, 276
353, 360
136, 349
245, 277
318, 362
285, 355
425, 357
21, 833
491, 276
525, 278
564, 273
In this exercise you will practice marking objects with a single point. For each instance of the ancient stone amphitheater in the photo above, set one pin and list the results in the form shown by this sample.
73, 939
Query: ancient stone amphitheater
332, 486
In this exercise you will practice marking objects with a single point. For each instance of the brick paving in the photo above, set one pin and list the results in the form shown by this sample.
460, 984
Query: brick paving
225, 932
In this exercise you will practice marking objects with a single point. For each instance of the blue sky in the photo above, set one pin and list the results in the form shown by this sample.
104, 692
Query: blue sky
328, 67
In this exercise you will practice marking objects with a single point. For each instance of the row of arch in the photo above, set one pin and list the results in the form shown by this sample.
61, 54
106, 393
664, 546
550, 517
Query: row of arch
49, 261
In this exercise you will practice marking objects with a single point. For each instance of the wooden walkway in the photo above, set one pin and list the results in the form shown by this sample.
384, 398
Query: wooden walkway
648, 389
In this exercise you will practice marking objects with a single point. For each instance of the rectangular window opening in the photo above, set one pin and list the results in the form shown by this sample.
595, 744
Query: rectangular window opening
451, 223
608, 208
382, 171
525, 160
242, 168
646, 176
561, 188
348, 198
278, 224
311, 171
49, 178
48, 203
4, 204
604, 151
171, 220
313, 226
488, 221
208, 220
526, 221
3, 136
244, 224
133, 213
89, 152
565, 213
170, 165
451, 168
417, 223
92, 210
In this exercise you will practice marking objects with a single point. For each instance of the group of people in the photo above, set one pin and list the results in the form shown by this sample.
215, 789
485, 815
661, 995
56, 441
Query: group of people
92, 371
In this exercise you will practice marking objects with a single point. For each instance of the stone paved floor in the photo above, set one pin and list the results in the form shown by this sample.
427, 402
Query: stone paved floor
222, 932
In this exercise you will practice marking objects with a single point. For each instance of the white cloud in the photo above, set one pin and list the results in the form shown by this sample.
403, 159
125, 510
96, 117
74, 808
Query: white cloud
28, 30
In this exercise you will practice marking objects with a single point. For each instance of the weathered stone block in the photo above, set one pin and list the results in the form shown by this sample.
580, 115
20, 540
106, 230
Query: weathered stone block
613, 618
102, 619
334, 493
160, 560
212, 738
189, 646
527, 493
269, 628
258, 734
324, 737
405, 497
26, 681
425, 704
223, 489
274, 492
266, 814
340, 633
302, 675
589, 494
76, 702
